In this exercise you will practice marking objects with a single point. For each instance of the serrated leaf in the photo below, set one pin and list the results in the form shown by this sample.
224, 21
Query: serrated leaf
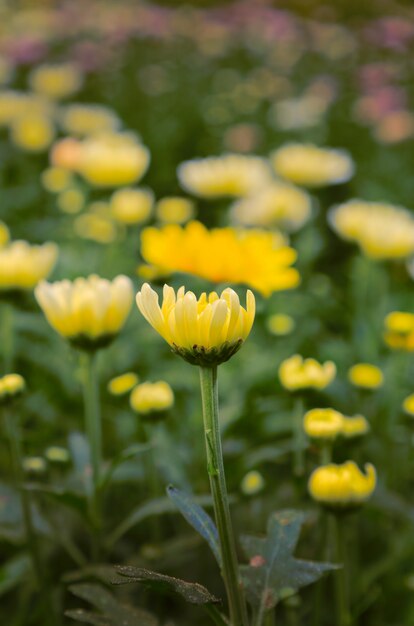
194, 593
274, 573
197, 518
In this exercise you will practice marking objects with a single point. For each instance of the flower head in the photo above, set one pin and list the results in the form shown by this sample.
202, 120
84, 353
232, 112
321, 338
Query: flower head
312, 166
204, 331
342, 486
132, 206
227, 175
382, 231
22, 266
174, 210
32, 132
280, 324
89, 312
57, 454
152, 397
259, 259
366, 375
88, 119
120, 385
298, 373
354, 426
252, 483
408, 404
324, 424
399, 330
11, 386
56, 81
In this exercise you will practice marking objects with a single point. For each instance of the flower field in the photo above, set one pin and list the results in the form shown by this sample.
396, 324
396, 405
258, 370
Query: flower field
206, 313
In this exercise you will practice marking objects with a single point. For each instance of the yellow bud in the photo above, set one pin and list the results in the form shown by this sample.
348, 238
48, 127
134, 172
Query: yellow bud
22, 266
57, 454
122, 384
132, 206
324, 424
298, 373
252, 483
366, 376
342, 486
354, 426
280, 324
11, 386
174, 210
149, 397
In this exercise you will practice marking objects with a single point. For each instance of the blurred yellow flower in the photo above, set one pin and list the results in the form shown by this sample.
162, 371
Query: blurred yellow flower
252, 483
354, 426
174, 210
132, 206
11, 386
4, 234
226, 175
122, 384
298, 373
207, 331
152, 397
399, 330
259, 259
366, 375
280, 324
34, 464
323, 424
408, 404
57, 454
22, 266
71, 200
112, 160
56, 81
279, 204
33, 132
66, 153
89, 312
56, 179
312, 166
14, 104
88, 119
342, 486
382, 231
95, 227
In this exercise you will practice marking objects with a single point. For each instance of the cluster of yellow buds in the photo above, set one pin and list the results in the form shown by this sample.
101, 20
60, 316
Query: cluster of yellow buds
328, 424
296, 373
342, 487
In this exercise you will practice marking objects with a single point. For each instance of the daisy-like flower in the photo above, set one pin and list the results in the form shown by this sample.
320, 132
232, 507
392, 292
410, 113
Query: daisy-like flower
342, 486
323, 424
204, 331
22, 265
89, 312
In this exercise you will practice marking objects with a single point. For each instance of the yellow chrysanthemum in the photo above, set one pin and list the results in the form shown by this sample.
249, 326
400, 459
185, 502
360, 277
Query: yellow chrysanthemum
399, 331
382, 231
15, 104
122, 384
280, 324
32, 132
112, 160
89, 312
312, 166
354, 426
207, 330
56, 81
252, 483
4, 234
152, 397
259, 259
22, 266
366, 375
11, 386
408, 404
88, 119
298, 373
132, 206
279, 204
226, 175
342, 486
174, 210
95, 227
323, 424
56, 179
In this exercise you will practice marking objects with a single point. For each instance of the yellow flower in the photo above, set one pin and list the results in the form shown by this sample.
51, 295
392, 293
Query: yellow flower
408, 404
259, 259
366, 375
132, 206
399, 331
66, 153
280, 324
354, 426
279, 204
112, 160
174, 210
323, 424
226, 175
122, 384
252, 483
89, 312
152, 397
207, 331
4, 234
56, 81
71, 200
342, 486
14, 104
33, 132
34, 465
382, 231
11, 386
298, 373
88, 119
22, 266
96, 228
56, 179
57, 454
312, 166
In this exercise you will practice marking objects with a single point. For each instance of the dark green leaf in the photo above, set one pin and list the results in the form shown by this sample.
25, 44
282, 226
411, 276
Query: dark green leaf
191, 592
274, 573
197, 518
12, 572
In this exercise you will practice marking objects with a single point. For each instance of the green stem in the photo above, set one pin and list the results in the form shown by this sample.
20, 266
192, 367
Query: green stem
299, 439
326, 453
215, 615
215, 468
94, 433
341, 587
7, 336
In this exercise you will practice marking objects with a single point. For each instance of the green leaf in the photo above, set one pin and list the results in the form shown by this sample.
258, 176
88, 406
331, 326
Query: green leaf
126, 455
12, 572
63, 496
197, 518
274, 573
111, 611
191, 592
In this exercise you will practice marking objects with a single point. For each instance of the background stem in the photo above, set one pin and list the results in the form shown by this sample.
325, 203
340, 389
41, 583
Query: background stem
341, 587
7, 336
